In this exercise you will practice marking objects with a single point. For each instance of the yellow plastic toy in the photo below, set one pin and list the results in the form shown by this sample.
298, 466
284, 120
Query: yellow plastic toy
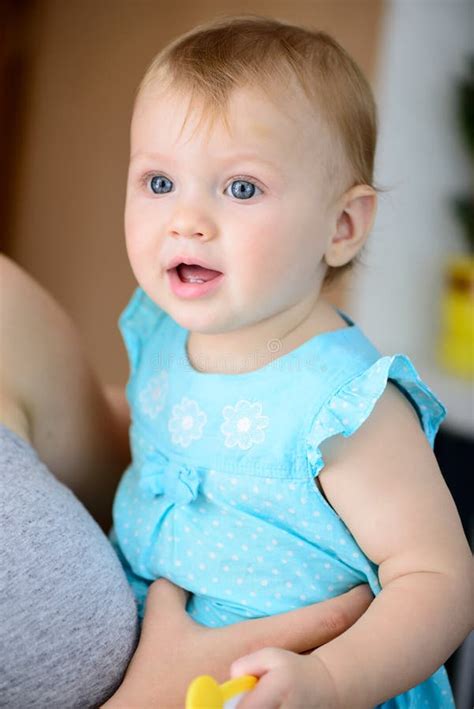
456, 345
205, 693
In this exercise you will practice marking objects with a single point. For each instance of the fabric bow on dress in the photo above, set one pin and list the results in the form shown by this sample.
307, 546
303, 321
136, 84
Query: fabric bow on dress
177, 481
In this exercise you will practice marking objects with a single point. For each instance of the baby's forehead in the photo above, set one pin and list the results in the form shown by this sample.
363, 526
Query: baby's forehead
277, 118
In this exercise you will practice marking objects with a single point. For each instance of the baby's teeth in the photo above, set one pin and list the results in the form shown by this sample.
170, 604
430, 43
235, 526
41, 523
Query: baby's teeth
195, 280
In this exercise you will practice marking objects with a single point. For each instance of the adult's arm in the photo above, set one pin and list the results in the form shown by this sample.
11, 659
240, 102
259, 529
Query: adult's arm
173, 649
50, 396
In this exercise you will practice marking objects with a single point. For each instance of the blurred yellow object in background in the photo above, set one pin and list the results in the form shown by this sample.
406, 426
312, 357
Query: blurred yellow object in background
456, 344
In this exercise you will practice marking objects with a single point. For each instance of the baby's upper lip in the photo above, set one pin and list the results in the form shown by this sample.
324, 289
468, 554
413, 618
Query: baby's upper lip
189, 261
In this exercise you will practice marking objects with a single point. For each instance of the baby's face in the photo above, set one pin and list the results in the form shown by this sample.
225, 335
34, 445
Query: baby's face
247, 212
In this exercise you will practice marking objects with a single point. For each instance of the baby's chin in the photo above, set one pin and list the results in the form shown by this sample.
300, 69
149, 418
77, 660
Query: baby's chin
200, 317
190, 315
206, 316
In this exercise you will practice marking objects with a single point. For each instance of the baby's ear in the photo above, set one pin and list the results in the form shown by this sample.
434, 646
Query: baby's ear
355, 217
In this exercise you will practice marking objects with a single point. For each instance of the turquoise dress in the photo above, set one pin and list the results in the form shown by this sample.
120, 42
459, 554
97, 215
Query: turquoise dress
220, 497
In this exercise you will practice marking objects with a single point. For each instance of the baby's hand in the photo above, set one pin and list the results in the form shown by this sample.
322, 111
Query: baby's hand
286, 681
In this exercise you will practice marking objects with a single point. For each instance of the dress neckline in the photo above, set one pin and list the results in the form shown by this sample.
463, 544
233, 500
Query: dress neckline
349, 331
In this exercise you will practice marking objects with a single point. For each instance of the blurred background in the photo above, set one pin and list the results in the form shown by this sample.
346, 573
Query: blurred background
68, 73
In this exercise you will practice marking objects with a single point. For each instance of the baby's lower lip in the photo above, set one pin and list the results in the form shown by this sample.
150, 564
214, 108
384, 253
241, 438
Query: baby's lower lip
192, 290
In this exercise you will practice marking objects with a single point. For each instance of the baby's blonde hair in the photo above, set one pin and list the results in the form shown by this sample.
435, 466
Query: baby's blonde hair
213, 59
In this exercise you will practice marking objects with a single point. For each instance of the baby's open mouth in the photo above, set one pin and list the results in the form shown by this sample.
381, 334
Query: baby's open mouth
191, 273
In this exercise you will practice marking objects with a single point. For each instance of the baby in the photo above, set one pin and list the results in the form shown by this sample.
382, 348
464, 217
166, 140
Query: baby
278, 458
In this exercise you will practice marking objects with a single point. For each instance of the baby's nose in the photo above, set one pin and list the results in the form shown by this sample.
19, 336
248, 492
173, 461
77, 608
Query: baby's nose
192, 223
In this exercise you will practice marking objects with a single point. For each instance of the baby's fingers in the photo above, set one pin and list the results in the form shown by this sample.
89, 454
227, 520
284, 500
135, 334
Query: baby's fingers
276, 672
268, 693
257, 663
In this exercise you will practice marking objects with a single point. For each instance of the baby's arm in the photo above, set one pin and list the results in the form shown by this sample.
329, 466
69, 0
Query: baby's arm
385, 484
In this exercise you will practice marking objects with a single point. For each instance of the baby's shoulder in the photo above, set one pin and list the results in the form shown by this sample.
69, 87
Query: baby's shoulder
392, 414
382, 400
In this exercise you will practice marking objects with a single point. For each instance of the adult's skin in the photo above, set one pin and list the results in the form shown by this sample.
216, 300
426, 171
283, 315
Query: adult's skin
50, 397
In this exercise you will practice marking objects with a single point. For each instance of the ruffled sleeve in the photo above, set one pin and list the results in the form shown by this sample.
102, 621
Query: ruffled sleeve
136, 323
346, 410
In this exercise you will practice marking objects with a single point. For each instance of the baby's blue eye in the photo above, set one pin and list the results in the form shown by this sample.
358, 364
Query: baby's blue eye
242, 189
160, 184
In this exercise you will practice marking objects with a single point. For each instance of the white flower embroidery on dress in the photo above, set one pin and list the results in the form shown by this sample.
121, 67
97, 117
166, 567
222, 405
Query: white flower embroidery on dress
152, 397
187, 422
244, 424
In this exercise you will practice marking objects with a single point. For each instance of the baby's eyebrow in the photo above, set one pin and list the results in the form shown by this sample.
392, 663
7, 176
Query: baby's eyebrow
224, 159
140, 155
251, 157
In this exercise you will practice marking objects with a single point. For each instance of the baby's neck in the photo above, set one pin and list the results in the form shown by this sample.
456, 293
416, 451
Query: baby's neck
254, 346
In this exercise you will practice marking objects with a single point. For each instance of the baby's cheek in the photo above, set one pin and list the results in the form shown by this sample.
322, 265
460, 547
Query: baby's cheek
136, 224
137, 256
256, 257
264, 240
261, 267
